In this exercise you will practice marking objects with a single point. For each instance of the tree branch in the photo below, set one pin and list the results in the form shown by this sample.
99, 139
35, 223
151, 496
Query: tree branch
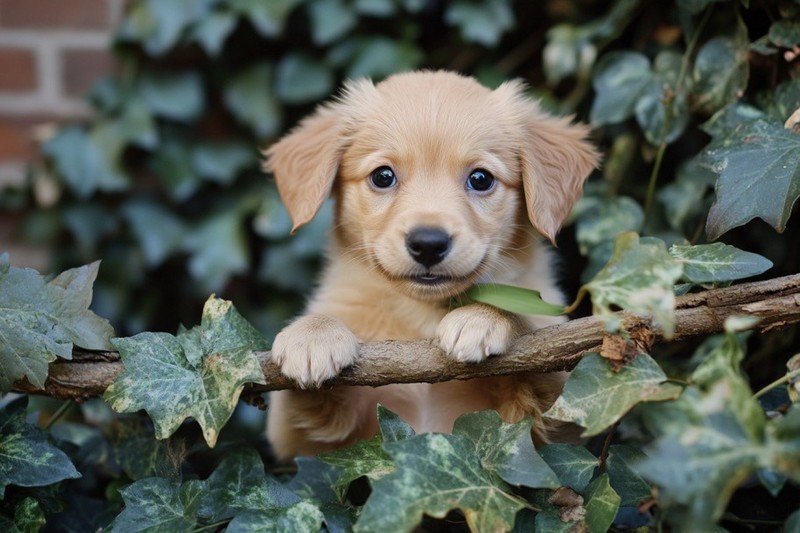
776, 302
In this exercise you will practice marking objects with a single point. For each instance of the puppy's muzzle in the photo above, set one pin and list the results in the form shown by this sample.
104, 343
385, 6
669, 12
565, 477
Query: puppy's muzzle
428, 246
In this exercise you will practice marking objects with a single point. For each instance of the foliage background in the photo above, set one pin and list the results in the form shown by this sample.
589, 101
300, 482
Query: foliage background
163, 183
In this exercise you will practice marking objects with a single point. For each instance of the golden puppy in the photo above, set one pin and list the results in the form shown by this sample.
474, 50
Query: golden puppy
440, 183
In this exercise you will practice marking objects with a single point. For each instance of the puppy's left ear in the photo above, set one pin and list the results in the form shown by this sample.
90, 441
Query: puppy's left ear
556, 159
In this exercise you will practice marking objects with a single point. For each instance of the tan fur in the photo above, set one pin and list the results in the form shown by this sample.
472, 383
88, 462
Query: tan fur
432, 129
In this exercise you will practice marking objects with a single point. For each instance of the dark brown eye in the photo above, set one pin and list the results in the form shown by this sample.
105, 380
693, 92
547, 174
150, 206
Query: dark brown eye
383, 178
480, 180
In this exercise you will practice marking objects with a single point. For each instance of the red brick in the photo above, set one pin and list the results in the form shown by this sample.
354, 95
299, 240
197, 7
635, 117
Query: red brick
17, 70
62, 14
17, 140
80, 68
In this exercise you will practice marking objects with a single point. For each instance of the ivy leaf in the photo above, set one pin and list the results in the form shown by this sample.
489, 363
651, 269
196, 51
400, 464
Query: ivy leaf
602, 504
639, 278
662, 110
158, 25
176, 96
620, 77
300, 79
480, 21
717, 262
330, 20
602, 219
392, 426
158, 504
513, 299
140, 455
218, 248
435, 474
378, 57
40, 320
573, 464
269, 18
213, 30
785, 33
721, 71
595, 396
301, 517
365, 458
249, 97
319, 481
630, 487
200, 373
28, 459
222, 161
28, 518
757, 162
506, 449
159, 231
239, 485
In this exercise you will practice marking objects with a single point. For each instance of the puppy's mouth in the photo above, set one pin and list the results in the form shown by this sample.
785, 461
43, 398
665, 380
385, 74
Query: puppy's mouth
433, 280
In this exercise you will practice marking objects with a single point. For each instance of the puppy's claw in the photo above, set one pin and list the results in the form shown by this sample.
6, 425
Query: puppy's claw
313, 349
472, 333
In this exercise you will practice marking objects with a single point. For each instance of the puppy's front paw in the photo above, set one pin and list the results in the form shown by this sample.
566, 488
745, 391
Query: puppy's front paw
472, 333
314, 348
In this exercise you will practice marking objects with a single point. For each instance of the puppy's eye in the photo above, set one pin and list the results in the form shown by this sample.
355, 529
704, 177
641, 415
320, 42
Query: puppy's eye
480, 180
383, 178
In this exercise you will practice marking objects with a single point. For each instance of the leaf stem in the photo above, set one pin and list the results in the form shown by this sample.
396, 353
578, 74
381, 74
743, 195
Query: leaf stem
578, 299
778, 382
669, 100
60, 412
601, 464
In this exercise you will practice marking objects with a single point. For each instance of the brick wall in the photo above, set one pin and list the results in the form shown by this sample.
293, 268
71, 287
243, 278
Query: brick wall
51, 51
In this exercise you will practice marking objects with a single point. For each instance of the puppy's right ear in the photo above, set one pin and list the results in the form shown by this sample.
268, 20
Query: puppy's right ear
305, 163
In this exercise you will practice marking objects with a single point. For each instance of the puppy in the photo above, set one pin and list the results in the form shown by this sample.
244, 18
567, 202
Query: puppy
439, 184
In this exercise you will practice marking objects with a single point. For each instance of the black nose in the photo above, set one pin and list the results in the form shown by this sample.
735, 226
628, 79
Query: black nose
428, 246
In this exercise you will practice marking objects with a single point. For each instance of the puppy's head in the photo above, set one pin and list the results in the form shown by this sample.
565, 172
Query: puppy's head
431, 172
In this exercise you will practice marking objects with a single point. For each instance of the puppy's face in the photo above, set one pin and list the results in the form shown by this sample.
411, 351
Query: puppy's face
433, 175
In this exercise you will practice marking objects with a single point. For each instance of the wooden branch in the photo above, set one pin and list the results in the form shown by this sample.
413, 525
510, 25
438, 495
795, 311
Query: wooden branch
776, 302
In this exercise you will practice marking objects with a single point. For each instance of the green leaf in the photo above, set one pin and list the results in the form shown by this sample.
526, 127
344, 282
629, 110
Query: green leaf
632, 489
573, 464
28, 518
595, 396
302, 517
249, 97
140, 455
686, 197
514, 299
758, 166
435, 474
159, 232
619, 79
378, 57
780, 103
638, 278
330, 20
221, 161
239, 485
300, 79
212, 31
218, 249
785, 33
82, 163
605, 218
200, 373
365, 458
269, 18
392, 426
721, 71
695, 6
662, 110
40, 320
176, 96
158, 25
506, 449
717, 262
602, 504
28, 459
480, 21
159, 505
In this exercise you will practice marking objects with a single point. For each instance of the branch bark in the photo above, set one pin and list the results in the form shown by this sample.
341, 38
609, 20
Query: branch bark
776, 302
